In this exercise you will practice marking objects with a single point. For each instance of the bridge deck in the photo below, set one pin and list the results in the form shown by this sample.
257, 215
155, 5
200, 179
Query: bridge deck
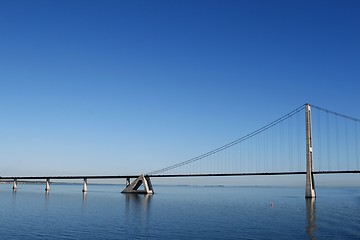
251, 174
70, 177
174, 175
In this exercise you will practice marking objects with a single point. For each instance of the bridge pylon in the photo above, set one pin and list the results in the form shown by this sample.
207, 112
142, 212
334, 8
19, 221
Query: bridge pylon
310, 185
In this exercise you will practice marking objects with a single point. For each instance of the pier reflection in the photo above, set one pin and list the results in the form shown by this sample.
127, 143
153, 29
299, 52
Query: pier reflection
311, 217
138, 204
14, 196
46, 200
47, 194
84, 199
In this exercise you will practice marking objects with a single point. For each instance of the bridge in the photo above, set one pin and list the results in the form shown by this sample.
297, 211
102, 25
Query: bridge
309, 140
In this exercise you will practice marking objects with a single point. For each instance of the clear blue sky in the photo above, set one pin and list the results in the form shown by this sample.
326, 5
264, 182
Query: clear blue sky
118, 87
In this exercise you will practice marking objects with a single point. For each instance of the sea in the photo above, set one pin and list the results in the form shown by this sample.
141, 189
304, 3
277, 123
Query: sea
178, 212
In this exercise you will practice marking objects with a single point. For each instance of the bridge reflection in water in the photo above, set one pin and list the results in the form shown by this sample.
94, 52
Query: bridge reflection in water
311, 217
137, 206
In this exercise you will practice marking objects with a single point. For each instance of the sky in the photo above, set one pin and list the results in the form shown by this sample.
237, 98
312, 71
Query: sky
127, 87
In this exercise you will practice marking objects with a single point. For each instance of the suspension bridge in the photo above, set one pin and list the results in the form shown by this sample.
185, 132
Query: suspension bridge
309, 140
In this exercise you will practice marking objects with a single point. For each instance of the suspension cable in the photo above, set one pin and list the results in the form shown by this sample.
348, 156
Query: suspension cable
260, 130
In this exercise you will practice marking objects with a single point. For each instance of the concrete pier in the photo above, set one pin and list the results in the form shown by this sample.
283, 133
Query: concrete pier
85, 185
15, 184
134, 186
310, 185
47, 186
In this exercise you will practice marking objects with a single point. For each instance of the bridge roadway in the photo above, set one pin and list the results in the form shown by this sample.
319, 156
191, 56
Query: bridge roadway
133, 187
70, 177
173, 175
249, 174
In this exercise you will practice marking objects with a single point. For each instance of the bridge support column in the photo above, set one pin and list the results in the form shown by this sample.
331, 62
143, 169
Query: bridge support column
310, 185
47, 186
134, 186
15, 184
84, 185
127, 182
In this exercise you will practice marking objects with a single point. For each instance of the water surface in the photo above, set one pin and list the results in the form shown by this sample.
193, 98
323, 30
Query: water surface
178, 212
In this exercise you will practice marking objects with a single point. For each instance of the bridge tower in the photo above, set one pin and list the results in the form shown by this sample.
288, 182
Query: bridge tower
310, 185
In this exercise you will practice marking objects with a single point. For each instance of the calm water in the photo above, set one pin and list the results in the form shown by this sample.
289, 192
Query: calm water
180, 212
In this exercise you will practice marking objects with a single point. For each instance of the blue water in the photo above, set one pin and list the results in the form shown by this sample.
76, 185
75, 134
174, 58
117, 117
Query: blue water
178, 212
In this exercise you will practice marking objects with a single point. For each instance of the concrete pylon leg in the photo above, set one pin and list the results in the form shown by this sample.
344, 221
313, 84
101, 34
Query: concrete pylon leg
85, 185
134, 186
15, 184
47, 186
310, 185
